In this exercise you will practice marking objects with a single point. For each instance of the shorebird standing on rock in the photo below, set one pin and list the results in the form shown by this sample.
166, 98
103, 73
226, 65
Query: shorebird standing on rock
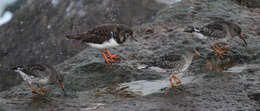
105, 36
176, 63
40, 74
217, 32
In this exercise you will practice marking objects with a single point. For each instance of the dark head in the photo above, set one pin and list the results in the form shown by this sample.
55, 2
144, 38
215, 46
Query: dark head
236, 31
189, 29
125, 33
17, 68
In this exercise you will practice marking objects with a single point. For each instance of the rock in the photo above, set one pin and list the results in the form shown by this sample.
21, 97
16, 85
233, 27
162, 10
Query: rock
89, 81
258, 31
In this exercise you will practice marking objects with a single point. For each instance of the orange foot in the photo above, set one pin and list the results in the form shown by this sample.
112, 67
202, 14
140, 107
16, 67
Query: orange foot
223, 47
178, 82
34, 90
42, 90
219, 51
111, 57
108, 60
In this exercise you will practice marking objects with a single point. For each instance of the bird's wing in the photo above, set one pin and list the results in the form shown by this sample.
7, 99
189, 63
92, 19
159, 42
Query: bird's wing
36, 70
99, 35
30, 73
168, 61
214, 30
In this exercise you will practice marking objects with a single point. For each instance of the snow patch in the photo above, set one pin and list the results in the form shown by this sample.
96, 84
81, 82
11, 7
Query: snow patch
5, 17
169, 2
55, 2
241, 68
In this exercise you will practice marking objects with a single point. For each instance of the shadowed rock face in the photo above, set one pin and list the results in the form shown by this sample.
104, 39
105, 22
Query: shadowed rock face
8, 79
216, 83
249, 3
47, 22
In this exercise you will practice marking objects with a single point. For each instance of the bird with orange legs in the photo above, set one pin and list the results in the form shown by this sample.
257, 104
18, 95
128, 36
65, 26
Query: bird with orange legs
220, 31
176, 63
40, 74
105, 36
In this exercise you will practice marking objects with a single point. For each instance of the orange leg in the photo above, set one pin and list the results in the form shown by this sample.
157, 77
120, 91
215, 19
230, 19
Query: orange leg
34, 90
218, 50
112, 57
223, 47
106, 58
178, 82
43, 90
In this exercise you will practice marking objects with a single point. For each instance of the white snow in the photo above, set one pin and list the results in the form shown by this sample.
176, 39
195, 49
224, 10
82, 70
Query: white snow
5, 16
55, 2
169, 2
241, 68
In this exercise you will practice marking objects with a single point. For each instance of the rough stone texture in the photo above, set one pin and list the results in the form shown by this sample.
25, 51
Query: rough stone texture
90, 83
36, 33
249, 3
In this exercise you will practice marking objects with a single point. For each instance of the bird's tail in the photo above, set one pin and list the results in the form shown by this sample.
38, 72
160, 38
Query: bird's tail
75, 36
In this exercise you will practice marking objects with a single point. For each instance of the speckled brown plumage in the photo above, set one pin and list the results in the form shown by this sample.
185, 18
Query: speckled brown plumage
102, 33
105, 36
40, 74
175, 62
217, 32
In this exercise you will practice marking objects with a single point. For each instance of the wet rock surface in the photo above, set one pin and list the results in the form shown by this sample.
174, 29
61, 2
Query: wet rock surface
211, 82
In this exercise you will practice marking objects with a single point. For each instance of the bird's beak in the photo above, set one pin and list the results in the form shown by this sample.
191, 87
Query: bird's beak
196, 53
243, 38
62, 86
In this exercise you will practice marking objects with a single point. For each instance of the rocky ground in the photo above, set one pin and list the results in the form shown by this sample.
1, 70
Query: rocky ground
211, 82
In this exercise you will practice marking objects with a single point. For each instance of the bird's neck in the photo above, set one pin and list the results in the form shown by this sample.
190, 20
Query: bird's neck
188, 57
24, 76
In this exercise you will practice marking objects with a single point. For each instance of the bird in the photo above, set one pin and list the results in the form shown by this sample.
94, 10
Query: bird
105, 36
176, 62
39, 74
219, 31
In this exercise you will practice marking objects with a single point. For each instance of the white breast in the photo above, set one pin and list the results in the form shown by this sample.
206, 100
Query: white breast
187, 63
44, 80
25, 77
108, 44
199, 35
